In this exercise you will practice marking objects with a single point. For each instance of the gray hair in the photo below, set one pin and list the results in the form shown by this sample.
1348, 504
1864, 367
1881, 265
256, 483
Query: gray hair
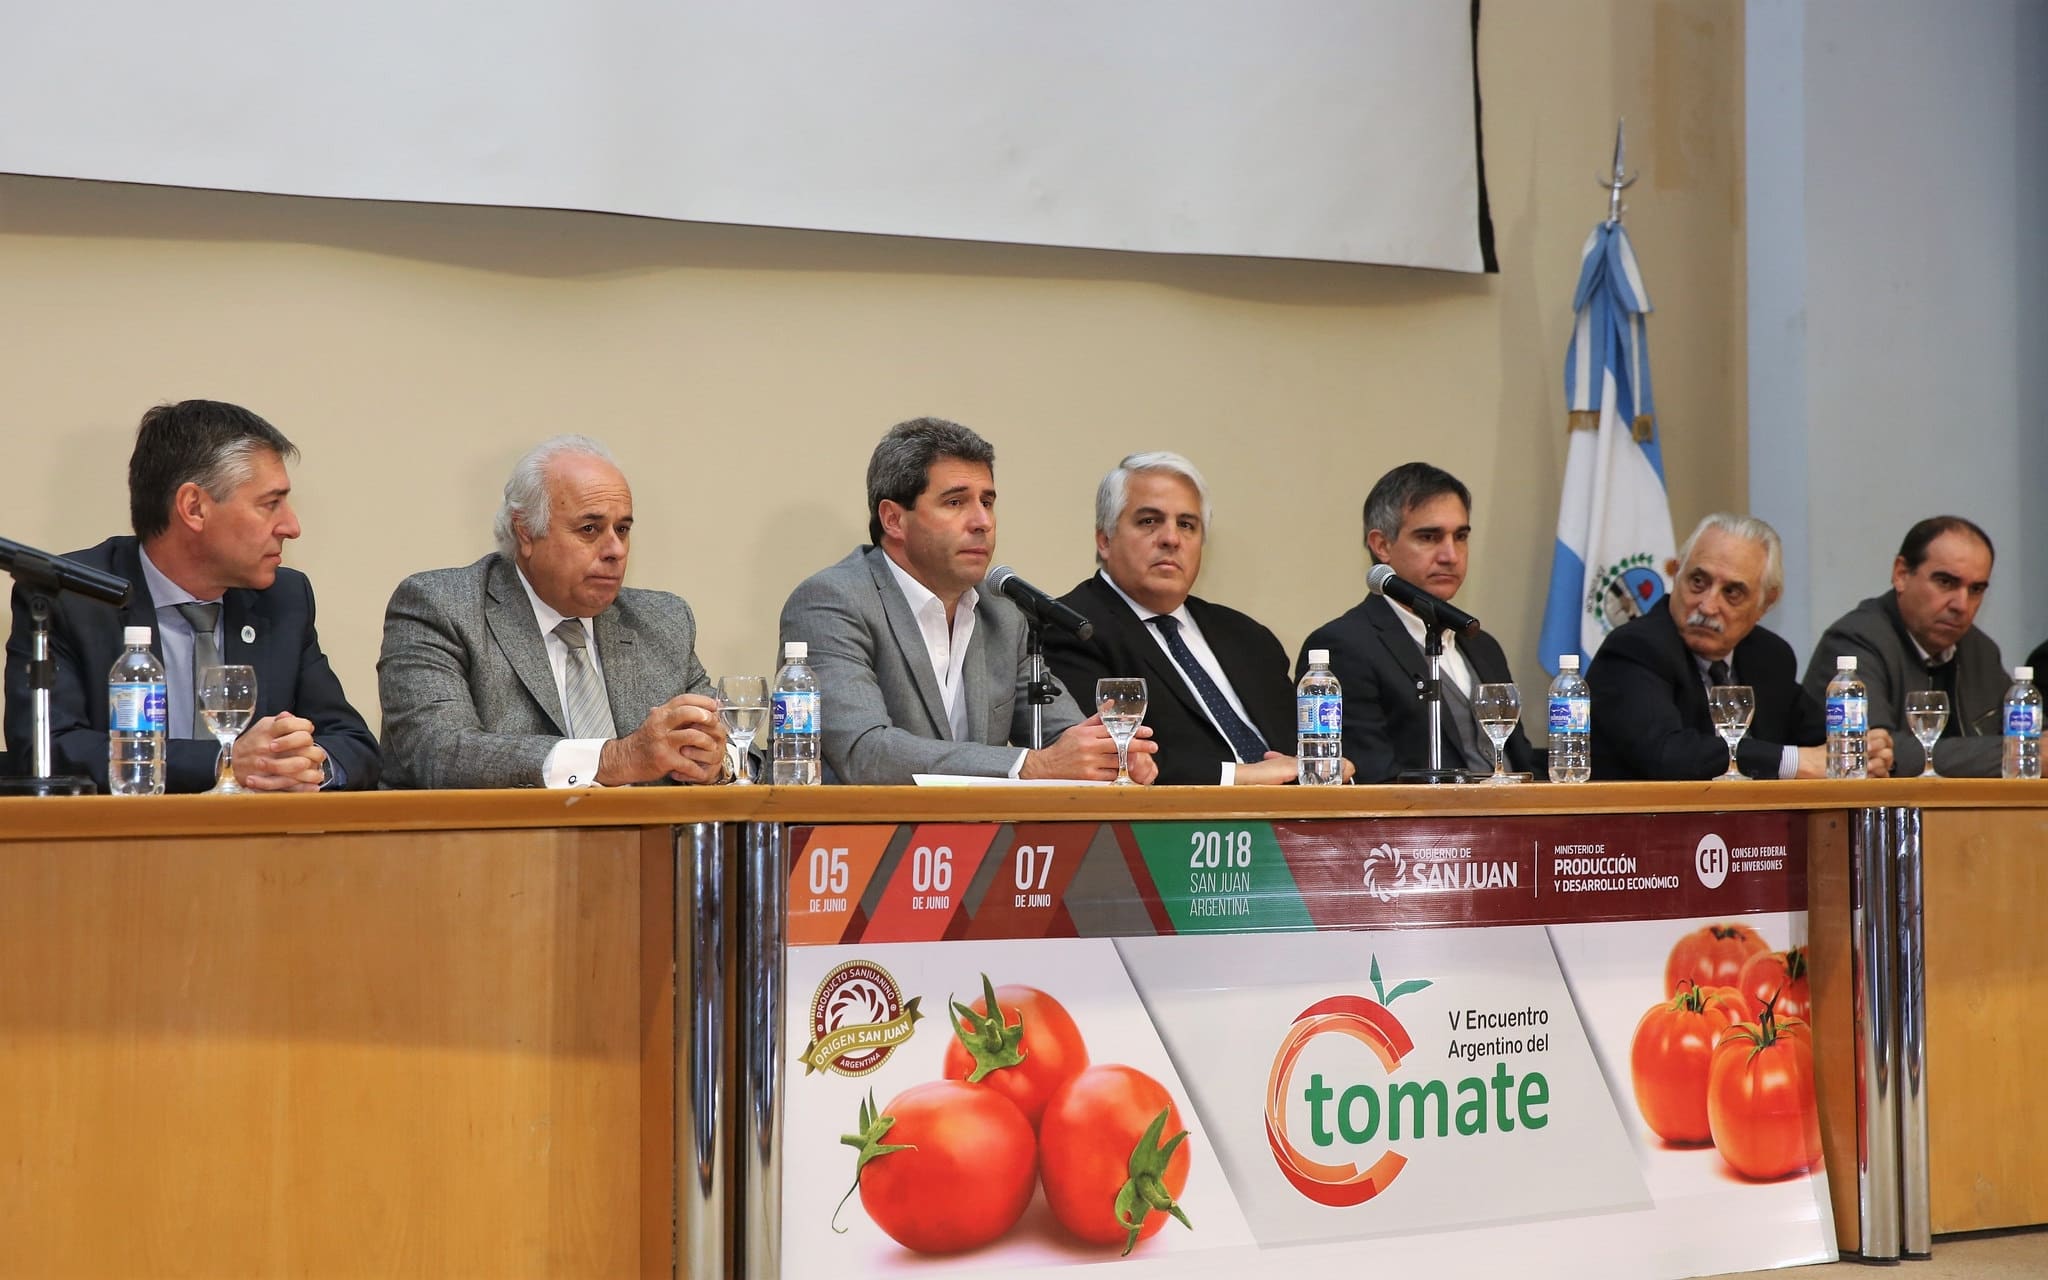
901, 464
1403, 489
1749, 529
1114, 491
525, 508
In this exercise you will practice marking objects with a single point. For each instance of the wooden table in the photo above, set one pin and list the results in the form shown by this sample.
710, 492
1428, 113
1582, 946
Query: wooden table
441, 1033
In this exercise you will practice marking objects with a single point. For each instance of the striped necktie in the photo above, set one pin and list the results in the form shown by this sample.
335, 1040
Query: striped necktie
1244, 740
583, 700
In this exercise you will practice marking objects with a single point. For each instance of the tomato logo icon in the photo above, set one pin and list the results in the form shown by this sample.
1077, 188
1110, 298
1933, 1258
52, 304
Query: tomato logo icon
1339, 1184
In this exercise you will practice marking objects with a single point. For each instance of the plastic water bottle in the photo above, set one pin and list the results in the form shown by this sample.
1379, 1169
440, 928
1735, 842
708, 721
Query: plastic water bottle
136, 715
2022, 727
796, 720
1848, 721
1571, 723
1319, 724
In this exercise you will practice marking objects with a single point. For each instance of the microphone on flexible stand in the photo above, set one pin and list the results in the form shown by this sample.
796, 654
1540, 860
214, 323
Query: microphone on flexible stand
1039, 604
1385, 582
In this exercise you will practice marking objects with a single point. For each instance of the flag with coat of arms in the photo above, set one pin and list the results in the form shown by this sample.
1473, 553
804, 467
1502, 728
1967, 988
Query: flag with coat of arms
1614, 521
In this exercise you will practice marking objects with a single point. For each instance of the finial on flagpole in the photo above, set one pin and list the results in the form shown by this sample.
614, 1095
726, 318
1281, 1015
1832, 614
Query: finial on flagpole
1621, 181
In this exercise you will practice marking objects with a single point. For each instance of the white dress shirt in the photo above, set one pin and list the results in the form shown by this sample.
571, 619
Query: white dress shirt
1204, 655
572, 762
945, 647
1453, 666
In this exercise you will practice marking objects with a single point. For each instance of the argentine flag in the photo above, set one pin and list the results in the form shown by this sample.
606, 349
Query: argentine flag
1614, 522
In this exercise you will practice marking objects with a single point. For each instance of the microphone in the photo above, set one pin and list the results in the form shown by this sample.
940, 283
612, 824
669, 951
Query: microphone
33, 568
1385, 582
1037, 603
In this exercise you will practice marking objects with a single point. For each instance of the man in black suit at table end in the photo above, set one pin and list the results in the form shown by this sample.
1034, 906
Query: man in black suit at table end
1418, 519
1220, 703
1651, 675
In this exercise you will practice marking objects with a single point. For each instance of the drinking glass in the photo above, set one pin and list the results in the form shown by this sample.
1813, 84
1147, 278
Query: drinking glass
1927, 716
227, 702
1121, 699
1731, 706
1498, 708
743, 704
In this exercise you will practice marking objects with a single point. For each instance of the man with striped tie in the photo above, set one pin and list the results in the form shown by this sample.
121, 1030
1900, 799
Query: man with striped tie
536, 666
1221, 703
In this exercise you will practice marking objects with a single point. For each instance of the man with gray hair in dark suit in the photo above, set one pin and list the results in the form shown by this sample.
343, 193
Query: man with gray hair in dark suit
920, 670
536, 666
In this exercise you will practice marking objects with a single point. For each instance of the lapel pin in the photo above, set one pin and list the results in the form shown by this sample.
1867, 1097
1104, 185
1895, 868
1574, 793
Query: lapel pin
248, 635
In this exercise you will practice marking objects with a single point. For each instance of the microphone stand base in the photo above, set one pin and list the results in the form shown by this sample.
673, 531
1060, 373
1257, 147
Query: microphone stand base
1433, 777
47, 787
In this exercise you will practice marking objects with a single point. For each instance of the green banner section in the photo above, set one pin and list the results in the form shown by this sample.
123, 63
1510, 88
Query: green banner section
1221, 877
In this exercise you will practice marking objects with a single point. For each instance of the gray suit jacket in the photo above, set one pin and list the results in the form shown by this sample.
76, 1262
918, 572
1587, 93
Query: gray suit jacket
468, 697
883, 716
1890, 667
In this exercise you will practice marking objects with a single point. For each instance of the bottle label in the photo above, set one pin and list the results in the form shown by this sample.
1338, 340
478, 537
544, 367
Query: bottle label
1317, 714
2022, 720
136, 708
1571, 715
796, 711
1848, 713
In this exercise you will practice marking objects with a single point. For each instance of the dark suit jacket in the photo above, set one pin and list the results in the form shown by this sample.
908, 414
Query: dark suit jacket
85, 637
1386, 725
1650, 708
1191, 749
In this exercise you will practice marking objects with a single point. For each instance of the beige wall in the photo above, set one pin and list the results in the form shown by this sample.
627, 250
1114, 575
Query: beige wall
744, 374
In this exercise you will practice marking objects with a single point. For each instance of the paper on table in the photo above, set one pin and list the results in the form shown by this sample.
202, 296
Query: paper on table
963, 780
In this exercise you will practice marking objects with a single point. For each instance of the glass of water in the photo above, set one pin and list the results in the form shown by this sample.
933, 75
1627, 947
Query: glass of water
743, 704
1121, 699
1731, 706
227, 702
1498, 708
1927, 716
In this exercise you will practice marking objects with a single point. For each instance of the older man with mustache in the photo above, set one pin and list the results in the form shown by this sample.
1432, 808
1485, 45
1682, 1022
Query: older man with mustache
1651, 676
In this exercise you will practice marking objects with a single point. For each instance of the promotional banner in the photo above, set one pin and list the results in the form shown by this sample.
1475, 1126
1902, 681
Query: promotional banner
1579, 1045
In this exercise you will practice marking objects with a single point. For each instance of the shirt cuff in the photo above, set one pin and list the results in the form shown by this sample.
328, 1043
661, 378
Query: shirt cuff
337, 777
1017, 769
1229, 773
572, 762
1788, 763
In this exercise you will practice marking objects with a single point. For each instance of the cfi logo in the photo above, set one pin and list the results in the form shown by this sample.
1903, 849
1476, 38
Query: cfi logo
1624, 591
1385, 871
1337, 1183
858, 1018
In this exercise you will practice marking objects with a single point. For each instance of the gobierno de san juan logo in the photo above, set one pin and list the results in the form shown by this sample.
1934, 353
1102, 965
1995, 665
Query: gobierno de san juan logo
858, 1018
1344, 1111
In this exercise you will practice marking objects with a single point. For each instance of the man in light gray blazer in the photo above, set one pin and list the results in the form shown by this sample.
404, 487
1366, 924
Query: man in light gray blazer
918, 669
1921, 635
535, 666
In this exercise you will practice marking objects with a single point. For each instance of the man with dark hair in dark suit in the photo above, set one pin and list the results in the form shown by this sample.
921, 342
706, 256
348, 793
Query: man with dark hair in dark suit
1651, 675
1418, 518
1219, 701
210, 501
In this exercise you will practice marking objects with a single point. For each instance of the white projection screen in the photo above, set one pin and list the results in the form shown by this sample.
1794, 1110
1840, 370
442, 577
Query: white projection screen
1327, 129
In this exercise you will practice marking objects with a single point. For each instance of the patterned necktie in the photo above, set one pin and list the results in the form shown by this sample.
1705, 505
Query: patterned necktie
583, 700
1717, 672
1244, 740
205, 653
1466, 734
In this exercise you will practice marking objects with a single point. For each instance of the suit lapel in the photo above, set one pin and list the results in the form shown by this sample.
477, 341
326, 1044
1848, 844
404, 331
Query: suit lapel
977, 676
1141, 637
140, 608
617, 654
243, 610
910, 641
1394, 634
509, 614
1692, 694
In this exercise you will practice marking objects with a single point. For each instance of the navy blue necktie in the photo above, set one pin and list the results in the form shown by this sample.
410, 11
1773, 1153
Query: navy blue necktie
1244, 739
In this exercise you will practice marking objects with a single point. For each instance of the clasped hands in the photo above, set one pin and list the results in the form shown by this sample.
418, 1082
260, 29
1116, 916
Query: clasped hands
682, 740
277, 753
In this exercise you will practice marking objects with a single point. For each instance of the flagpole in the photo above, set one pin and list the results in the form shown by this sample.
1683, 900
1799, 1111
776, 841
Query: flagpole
1621, 180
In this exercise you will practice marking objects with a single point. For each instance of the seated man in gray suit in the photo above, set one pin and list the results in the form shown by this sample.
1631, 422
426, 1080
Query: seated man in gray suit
1922, 634
534, 666
919, 671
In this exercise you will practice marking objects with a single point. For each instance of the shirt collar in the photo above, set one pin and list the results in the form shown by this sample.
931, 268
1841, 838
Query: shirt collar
1179, 613
1413, 621
921, 597
163, 593
544, 613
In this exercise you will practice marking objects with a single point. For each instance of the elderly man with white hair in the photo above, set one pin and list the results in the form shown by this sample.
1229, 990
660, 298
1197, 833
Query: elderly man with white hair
1651, 676
535, 666
1221, 700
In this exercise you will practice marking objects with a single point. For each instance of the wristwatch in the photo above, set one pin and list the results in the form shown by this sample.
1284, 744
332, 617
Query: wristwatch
726, 773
